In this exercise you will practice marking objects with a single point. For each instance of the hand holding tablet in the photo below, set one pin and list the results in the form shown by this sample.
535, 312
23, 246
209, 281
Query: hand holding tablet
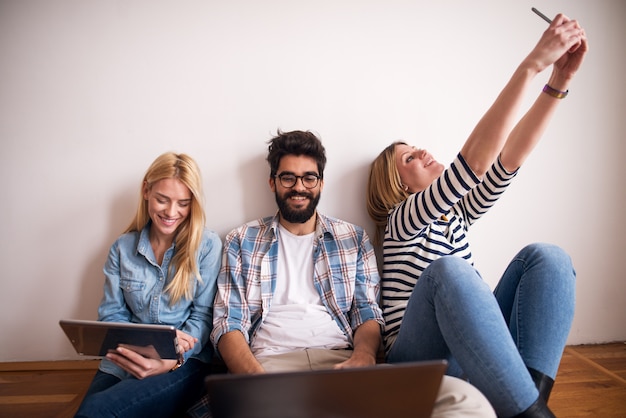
96, 338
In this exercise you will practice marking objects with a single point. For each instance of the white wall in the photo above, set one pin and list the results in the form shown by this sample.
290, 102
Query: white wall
92, 91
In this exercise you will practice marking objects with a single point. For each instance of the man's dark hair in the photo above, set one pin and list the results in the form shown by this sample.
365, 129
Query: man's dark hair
295, 143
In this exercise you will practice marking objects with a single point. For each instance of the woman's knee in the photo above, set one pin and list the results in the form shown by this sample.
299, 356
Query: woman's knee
549, 257
452, 271
546, 251
453, 279
449, 265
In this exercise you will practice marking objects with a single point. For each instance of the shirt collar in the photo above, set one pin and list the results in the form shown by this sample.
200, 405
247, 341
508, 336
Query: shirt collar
322, 226
144, 240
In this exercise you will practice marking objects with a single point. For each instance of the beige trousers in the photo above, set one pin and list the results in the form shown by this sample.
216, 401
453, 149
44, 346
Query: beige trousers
456, 398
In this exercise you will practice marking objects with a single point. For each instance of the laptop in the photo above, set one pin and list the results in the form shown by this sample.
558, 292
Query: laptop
385, 390
96, 338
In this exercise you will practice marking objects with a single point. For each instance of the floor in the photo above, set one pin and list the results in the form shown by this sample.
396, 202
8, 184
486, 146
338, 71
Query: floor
51, 389
591, 383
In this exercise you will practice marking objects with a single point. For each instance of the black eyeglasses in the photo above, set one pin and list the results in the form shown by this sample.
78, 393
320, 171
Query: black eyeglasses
289, 180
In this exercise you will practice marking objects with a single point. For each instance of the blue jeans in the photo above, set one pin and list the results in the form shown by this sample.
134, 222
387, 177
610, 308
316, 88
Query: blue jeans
489, 340
163, 395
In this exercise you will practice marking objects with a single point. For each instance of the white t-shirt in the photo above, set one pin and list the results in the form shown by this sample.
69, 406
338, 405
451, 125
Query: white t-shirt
297, 318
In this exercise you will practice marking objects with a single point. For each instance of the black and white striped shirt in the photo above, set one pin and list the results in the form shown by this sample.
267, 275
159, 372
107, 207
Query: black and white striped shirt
429, 225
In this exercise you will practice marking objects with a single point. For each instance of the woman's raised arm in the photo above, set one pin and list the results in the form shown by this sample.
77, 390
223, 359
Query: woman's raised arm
563, 44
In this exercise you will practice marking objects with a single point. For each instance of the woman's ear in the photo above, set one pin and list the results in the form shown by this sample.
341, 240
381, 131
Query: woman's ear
146, 190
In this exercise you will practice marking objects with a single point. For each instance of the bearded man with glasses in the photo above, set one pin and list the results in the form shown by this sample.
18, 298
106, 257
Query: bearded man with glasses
299, 290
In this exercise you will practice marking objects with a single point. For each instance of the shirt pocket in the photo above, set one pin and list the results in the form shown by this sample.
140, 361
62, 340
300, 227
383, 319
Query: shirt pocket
343, 279
254, 293
134, 293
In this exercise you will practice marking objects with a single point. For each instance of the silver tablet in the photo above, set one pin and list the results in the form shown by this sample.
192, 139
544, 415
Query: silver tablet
96, 338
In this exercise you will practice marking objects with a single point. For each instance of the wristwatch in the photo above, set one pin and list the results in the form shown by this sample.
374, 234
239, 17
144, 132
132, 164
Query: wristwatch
179, 363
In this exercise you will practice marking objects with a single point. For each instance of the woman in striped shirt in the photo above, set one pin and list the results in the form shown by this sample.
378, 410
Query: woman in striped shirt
507, 343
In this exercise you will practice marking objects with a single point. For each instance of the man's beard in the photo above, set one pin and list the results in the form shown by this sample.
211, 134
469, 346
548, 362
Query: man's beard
298, 216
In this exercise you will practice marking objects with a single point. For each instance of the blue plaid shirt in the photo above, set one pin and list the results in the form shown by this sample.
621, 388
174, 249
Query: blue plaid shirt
346, 276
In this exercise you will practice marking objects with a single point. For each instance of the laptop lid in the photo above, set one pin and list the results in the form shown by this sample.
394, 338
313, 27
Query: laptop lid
385, 390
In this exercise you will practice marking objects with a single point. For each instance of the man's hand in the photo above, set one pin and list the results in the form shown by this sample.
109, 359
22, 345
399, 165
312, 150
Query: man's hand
366, 343
357, 360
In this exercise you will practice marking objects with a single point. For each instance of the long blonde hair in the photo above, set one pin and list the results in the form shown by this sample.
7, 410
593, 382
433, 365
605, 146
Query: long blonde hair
384, 188
189, 234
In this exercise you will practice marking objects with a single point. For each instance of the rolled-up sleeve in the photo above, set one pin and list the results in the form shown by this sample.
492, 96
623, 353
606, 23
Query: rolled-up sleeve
230, 309
367, 286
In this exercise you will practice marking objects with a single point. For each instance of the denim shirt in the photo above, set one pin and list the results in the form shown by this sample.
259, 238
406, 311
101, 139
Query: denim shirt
345, 276
134, 291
